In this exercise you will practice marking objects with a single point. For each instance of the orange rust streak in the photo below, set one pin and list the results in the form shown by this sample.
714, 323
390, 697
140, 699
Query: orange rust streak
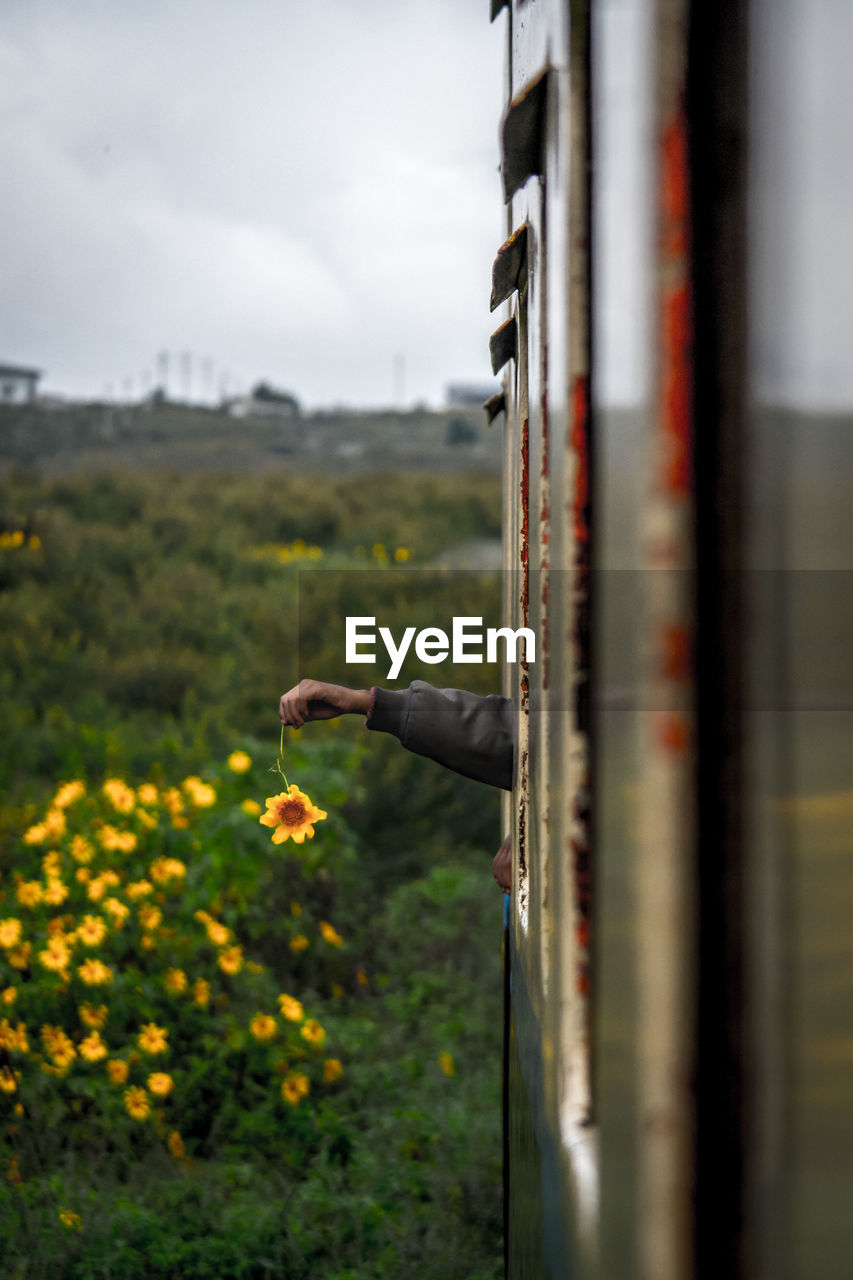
672, 732
676, 391
674, 195
675, 653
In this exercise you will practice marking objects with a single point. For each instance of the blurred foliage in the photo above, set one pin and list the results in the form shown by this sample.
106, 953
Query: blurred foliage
148, 624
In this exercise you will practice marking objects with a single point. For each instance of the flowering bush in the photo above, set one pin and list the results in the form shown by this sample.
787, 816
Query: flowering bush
129, 998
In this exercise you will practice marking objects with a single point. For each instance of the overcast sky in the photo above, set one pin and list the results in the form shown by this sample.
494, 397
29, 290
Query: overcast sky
309, 194
306, 193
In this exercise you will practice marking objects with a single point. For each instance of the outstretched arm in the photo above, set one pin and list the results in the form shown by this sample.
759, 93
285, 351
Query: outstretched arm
317, 700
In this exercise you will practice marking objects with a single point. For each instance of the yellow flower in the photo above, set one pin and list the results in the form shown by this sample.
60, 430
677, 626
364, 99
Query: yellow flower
174, 801
402, 553
115, 840
59, 1046
332, 1070
29, 893
92, 1016
239, 761
175, 980
50, 863
295, 909
361, 977
94, 973
83, 875
251, 807
20, 957
201, 793
298, 942
147, 819
56, 955
81, 849
162, 870
67, 1217
149, 917
263, 1027
231, 959
292, 813
160, 1083
295, 1087
139, 889
217, 933
446, 1060
91, 931
147, 793
34, 542
331, 935
136, 1103
13, 1039
93, 1048
176, 1145
117, 910
313, 1033
117, 1070
10, 995
68, 793
56, 892
201, 992
120, 795
52, 827
153, 1039
10, 932
292, 1009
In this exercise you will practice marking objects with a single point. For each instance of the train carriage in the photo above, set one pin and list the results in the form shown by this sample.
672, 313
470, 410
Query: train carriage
678, 411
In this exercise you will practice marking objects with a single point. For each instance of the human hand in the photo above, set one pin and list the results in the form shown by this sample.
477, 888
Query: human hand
316, 700
502, 865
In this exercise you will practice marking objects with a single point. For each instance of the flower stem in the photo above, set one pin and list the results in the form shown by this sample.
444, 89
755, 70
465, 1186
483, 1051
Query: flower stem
280, 760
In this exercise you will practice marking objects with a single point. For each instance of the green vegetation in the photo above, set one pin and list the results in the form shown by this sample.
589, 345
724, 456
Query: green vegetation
148, 623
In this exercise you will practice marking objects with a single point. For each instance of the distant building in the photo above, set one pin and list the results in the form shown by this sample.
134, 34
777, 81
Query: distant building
464, 395
17, 385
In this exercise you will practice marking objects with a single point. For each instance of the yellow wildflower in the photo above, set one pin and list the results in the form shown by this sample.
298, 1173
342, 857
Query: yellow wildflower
401, 554
330, 935
10, 995
56, 892
81, 849
332, 1070
93, 1048
120, 795
295, 1087
139, 889
67, 1217
263, 1027
59, 1046
94, 973
55, 823
201, 793
34, 542
147, 793
239, 761
292, 814
313, 1033
36, 834
174, 801
251, 807
117, 1070
9, 1079
162, 870
298, 942
153, 1039
149, 917
361, 977
176, 1145
91, 931
68, 792
118, 910
175, 980
10, 932
295, 909
56, 955
218, 933
116, 840
20, 957
28, 893
446, 1061
92, 1016
83, 874
147, 819
50, 863
160, 1083
292, 1009
231, 959
201, 992
13, 1039
136, 1103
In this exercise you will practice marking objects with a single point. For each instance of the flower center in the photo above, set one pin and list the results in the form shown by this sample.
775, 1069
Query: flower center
291, 812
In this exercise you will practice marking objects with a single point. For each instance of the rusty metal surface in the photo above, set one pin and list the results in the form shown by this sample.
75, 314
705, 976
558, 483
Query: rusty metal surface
509, 272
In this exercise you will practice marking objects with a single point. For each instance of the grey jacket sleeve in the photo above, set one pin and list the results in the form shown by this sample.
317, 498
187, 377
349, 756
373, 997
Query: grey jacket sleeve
472, 735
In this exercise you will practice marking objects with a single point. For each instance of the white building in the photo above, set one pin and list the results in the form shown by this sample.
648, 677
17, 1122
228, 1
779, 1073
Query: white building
17, 385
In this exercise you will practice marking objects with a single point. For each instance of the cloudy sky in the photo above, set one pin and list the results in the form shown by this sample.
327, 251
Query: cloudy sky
306, 193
